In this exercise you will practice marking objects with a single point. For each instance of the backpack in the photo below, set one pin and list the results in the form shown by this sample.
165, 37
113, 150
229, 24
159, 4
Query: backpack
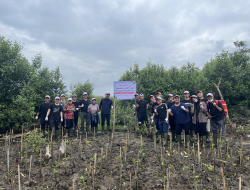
224, 105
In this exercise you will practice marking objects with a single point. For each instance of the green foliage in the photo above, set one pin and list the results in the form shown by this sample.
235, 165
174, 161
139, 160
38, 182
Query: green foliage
78, 88
35, 140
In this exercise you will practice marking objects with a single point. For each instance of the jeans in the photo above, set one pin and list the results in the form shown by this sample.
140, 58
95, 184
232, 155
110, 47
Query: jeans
157, 124
163, 126
54, 122
179, 127
94, 123
85, 115
200, 128
76, 114
107, 117
220, 125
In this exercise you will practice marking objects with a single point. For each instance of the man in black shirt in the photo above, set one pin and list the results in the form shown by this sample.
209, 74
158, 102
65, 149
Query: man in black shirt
43, 111
154, 116
171, 118
76, 113
105, 106
202, 99
162, 113
141, 107
55, 114
158, 94
215, 114
188, 103
84, 104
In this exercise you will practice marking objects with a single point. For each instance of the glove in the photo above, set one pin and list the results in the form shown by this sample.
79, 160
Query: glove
134, 105
112, 107
82, 105
36, 117
191, 105
61, 119
169, 110
46, 119
201, 105
99, 113
166, 119
77, 108
152, 121
182, 107
155, 111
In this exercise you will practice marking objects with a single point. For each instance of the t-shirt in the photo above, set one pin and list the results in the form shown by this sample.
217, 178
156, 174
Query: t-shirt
164, 101
85, 103
169, 106
62, 103
142, 109
105, 105
180, 115
154, 106
214, 112
162, 111
188, 102
93, 108
43, 109
55, 111
69, 111
76, 105
204, 100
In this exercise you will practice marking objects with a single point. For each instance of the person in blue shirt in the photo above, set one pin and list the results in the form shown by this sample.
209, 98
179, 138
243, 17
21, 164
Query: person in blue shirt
181, 114
105, 107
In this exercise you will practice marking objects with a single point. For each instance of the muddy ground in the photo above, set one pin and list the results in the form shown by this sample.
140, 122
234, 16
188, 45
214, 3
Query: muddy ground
183, 174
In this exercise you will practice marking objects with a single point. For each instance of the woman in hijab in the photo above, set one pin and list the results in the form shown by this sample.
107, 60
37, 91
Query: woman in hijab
94, 118
199, 109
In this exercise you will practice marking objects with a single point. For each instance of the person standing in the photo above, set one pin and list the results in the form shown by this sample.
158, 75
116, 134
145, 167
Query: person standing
199, 120
141, 108
55, 114
76, 113
69, 110
162, 113
43, 111
215, 114
188, 103
93, 109
180, 112
158, 94
62, 103
84, 104
137, 98
171, 118
105, 105
202, 99
154, 116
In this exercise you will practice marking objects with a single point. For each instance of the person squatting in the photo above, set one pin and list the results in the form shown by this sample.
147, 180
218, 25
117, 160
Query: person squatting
193, 114
66, 113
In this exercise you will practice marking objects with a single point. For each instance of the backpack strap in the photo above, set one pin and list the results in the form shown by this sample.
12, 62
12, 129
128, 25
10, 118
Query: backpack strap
217, 102
207, 103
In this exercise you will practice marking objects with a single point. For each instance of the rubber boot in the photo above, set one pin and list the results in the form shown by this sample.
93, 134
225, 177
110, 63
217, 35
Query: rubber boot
187, 138
173, 135
208, 137
215, 141
92, 130
178, 138
43, 130
103, 129
56, 134
222, 144
69, 131
108, 129
165, 138
204, 140
191, 136
49, 134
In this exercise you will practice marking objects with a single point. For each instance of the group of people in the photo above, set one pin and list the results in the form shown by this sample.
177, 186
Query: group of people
192, 114
67, 113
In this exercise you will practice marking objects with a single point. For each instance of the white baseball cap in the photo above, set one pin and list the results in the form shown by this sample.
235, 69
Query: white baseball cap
47, 96
210, 94
57, 98
69, 99
107, 93
85, 93
186, 92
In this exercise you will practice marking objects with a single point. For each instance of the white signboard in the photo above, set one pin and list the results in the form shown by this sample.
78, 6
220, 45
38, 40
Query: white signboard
124, 90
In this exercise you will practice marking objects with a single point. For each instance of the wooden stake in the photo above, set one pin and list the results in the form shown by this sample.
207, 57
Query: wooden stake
223, 179
94, 171
114, 118
170, 143
30, 168
19, 181
141, 141
86, 140
110, 180
130, 182
106, 151
94, 132
65, 148
126, 149
62, 132
239, 183
41, 162
73, 184
22, 149
199, 157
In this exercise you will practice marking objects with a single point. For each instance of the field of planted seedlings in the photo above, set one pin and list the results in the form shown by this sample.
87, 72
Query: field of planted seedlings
121, 160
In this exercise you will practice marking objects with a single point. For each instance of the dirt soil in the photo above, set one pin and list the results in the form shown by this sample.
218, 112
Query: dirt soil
183, 174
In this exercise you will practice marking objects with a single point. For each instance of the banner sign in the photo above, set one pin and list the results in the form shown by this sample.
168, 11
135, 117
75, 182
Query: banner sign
124, 90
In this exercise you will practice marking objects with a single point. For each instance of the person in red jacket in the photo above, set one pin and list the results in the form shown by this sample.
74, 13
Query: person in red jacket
69, 110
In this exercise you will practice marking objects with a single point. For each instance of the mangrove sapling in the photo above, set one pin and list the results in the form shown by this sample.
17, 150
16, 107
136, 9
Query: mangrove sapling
83, 182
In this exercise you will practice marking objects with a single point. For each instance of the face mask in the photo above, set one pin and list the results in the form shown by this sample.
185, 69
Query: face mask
211, 100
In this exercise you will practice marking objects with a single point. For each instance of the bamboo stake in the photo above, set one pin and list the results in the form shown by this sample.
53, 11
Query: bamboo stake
62, 132
51, 146
19, 181
73, 184
184, 140
223, 179
114, 118
65, 148
110, 180
126, 150
41, 162
194, 153
43, 181
94, 171
199, 157
130, 182
86, 140
94, 132
239, 183
154, 141
141, 141
170, 143
106, 151
22, 149
168, 174
30, 168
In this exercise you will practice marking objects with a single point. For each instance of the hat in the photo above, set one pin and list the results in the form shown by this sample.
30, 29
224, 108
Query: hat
209, 94
176, 96
85, 93
158, 98
93, 99
193, 96
141, 94
47, 96
199, 91
136, 94
74, 95
170, 95
186, 92
157, 93
107, 93
57, 98
69, 99
151, 96
62, 95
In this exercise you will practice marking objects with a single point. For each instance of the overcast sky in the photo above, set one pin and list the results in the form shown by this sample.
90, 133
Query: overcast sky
99, 40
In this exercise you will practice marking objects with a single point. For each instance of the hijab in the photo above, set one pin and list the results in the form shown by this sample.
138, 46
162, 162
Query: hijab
92, 102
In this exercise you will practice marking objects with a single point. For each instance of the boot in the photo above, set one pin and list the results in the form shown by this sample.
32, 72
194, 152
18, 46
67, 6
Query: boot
215, 141
208, 137
165, 138
204, 140
87, 129
82, 129
178, 138
187, 138
65, 132
108, 129
43, 131
92, 130
173, 135
222, 144
56, 134
191, 136
103, 129
49, 135
69, 131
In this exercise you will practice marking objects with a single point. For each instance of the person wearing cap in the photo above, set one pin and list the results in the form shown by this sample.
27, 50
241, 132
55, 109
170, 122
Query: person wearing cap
55, 115
76, 113
202, 99
187, 100
154, 116
69, 110
43, 111
137, 98
162, 112
159, 94
84, 104
62, 103
141, 108
93, 109
180, 112
171, 118
215, 114
199, 120
105, 105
